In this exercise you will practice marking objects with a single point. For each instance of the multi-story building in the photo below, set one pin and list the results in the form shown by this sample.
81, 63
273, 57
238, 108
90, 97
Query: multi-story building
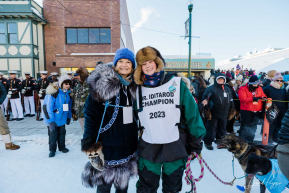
21, 37
83, 32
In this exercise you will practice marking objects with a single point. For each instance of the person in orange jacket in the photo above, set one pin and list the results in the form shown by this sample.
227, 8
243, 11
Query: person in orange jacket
251, 101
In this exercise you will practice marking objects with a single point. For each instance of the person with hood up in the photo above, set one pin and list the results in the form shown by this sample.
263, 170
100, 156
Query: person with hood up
57, 113
251, 101
111, 149
171, 126
79, 96
220, 100
276, 91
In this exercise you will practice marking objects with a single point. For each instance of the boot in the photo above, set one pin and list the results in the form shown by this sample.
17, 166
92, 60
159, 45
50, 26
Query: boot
51, 154
8, 142
65, 150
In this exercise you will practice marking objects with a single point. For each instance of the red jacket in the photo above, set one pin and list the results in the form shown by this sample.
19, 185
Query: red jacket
246, 98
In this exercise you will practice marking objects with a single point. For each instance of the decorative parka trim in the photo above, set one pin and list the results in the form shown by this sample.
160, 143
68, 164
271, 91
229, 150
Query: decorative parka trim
104, 83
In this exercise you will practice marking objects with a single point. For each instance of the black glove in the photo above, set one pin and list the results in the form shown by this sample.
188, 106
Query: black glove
68, 121
52, 126
255, 99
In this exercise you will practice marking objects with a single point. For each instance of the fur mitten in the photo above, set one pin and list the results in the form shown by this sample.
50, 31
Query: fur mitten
94, 154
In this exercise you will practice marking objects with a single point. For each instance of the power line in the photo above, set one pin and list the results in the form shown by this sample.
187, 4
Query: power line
115, 22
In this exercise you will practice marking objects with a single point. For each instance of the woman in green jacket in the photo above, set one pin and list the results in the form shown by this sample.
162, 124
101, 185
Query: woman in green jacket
170, 121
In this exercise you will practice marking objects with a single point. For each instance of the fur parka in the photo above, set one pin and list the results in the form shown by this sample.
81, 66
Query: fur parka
119, 141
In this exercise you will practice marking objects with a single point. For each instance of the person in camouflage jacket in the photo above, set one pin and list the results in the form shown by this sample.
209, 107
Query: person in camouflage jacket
80, 94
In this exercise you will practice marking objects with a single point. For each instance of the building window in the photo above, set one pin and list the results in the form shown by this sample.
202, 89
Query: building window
2, 33
105, 36
71, 35
12, 33
88, 35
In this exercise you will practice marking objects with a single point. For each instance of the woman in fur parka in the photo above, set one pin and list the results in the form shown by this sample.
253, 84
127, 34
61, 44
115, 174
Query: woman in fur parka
113, 158
170, 121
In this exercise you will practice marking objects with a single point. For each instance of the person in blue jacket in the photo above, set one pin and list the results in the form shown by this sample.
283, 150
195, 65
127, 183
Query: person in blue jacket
57, 113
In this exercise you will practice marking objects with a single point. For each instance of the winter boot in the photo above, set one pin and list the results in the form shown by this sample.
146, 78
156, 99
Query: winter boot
209, 146
65, 150
51, 154
8, 142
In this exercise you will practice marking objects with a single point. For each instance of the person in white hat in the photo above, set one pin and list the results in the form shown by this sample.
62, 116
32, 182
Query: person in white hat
14, 86
43, 83
28, 86
54, 76
69, 73
3, 106
4, 129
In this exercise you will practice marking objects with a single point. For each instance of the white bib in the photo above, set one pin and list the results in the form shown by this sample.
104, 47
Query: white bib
160, 114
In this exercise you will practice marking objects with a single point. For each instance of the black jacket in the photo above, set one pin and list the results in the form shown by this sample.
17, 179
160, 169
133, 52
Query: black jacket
235, 97
29, 85
284, 131
277, 94
266, 82
42, 85
15, 86
120, 140
218, 103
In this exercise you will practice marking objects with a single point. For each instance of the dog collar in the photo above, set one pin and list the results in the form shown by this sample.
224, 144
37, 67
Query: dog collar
242, 156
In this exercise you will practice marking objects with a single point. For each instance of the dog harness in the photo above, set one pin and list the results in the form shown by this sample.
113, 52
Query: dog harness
275, 181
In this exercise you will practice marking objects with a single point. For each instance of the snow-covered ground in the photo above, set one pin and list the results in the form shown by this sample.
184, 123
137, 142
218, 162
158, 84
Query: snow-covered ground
30, 170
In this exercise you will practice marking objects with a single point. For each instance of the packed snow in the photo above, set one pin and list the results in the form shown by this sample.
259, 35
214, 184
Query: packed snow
30, 170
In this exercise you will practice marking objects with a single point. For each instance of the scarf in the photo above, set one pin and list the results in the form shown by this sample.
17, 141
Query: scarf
123, 80
153, 80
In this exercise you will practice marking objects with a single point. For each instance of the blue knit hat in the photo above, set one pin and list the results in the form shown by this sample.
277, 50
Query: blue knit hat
124, 53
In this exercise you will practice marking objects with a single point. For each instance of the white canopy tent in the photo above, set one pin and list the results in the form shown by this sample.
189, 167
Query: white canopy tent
280, 65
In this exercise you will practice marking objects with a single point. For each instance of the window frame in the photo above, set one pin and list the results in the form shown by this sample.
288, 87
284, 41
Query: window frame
5, 32
8, 34
99, 28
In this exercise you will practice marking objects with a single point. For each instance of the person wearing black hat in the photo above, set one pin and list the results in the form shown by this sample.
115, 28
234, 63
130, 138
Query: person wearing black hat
14, 86
28, 86
251, 99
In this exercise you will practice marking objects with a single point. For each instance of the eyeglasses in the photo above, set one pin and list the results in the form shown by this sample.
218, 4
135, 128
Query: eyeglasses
279, 80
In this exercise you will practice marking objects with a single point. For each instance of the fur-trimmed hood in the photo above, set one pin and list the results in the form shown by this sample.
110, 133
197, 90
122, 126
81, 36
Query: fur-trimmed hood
104, 83
52, 88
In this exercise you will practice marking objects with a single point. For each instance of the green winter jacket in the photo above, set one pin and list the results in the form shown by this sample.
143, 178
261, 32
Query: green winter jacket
79, 96
191, 130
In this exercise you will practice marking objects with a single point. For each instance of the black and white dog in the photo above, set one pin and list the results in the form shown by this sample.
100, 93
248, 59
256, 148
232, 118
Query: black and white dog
268, 172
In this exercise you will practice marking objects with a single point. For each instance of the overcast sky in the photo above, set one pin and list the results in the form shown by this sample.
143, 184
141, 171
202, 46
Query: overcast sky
227, 28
